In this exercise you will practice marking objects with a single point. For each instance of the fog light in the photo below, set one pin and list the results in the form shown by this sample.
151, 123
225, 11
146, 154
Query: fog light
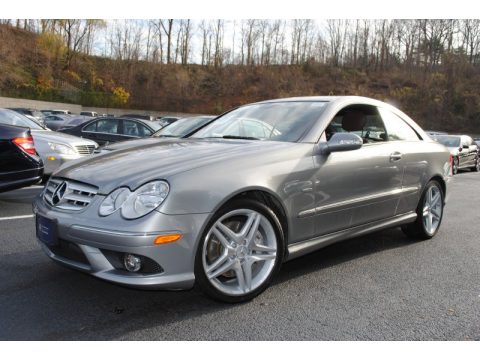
132, 262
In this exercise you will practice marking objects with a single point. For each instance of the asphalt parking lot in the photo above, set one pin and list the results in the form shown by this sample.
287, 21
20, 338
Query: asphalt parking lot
376, 287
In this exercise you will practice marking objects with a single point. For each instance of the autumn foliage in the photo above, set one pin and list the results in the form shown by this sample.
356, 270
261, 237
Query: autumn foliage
444, 96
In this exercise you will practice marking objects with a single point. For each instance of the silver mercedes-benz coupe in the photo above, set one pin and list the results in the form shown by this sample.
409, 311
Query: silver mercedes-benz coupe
262, 184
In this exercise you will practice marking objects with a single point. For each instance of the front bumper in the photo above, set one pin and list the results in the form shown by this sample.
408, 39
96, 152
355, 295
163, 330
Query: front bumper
95, 239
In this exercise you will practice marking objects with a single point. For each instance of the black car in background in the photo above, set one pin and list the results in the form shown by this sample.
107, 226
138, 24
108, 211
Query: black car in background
20, 164
75, 120
138, 116
106, 130
183, 128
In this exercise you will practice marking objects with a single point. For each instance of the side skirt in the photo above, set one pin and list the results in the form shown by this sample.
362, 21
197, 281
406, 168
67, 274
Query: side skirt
301, 248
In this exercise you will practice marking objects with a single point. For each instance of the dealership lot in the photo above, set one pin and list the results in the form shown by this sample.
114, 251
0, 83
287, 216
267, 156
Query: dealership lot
377, 287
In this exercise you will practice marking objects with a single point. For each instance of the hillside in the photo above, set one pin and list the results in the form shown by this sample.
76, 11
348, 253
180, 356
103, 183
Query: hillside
446, 97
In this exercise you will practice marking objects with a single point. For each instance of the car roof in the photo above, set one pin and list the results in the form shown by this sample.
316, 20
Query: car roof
331, 99
143, 121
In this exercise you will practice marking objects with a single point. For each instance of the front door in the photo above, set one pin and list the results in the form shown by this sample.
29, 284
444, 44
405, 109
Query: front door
360, 186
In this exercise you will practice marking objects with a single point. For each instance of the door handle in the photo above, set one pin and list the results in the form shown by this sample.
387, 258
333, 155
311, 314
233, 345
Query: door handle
395, 156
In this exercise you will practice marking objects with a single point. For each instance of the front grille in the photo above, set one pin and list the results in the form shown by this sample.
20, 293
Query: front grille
85, 149
69, 251
68, 194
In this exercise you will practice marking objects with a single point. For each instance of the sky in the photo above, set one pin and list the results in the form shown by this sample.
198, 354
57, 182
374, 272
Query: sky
246, 9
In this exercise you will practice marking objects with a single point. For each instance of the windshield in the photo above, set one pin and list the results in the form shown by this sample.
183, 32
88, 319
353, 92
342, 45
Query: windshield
448, 141
183, 127
10, 117
37, 114
279, 121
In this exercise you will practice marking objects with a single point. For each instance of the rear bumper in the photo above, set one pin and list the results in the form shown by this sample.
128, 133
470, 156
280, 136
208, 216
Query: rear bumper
16, 180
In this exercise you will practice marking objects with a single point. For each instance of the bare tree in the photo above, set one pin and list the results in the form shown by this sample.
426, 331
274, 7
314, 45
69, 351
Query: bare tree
167, 26
470, 30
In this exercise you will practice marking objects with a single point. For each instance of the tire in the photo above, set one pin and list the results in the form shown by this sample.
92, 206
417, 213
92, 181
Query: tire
476, 168
226, 259
428, 211
455, 166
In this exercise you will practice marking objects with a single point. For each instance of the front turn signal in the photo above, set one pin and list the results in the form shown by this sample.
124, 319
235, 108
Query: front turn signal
166, 239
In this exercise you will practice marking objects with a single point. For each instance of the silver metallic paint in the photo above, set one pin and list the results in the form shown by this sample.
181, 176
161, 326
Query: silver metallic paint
340, 195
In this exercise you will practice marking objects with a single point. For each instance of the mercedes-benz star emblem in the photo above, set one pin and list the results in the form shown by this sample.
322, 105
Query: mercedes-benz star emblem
59, 193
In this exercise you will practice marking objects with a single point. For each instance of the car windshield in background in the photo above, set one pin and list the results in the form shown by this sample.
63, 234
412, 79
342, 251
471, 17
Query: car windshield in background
276, 121
10, 117
448, 141
37, 114
78, 120
183, 127
153, 125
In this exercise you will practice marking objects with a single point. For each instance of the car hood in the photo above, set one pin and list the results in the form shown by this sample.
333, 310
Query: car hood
58, 137
130, 144
152, 160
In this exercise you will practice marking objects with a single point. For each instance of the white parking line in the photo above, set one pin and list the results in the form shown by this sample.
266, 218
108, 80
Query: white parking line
17, 217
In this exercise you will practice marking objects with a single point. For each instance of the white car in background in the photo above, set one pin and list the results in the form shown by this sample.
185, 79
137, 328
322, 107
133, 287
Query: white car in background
53, 147
89, 113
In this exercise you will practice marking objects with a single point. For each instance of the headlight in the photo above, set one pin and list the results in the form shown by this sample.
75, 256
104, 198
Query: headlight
62, 149
113, 201
135, 204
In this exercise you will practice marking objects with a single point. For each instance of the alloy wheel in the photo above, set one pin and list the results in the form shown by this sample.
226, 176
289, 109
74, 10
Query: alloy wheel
432, 209
239, 252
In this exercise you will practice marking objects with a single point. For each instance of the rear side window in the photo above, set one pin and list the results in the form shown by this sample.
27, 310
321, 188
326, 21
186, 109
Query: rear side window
107, 126
91, 127
134, 128
397, 128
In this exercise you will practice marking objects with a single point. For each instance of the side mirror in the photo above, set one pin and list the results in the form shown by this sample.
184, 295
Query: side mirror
341, 142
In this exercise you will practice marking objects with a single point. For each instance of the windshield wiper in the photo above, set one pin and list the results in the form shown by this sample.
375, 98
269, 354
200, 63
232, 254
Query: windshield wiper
240, 137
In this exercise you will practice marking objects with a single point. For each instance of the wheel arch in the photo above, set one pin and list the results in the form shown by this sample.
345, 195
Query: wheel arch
442, 183
265, 196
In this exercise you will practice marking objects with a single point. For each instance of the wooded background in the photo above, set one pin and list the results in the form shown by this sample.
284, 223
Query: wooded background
429, 68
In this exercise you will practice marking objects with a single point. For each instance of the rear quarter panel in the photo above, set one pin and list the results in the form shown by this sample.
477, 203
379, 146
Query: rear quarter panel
424, 160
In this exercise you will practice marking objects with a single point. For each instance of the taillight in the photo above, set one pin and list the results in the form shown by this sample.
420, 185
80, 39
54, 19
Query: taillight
26, 144
451, 164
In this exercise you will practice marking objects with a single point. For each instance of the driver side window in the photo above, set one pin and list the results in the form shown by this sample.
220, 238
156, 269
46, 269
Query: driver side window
362, 120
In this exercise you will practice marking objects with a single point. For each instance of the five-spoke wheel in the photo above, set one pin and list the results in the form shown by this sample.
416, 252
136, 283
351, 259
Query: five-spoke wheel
432, 209
240, 252
429, 213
